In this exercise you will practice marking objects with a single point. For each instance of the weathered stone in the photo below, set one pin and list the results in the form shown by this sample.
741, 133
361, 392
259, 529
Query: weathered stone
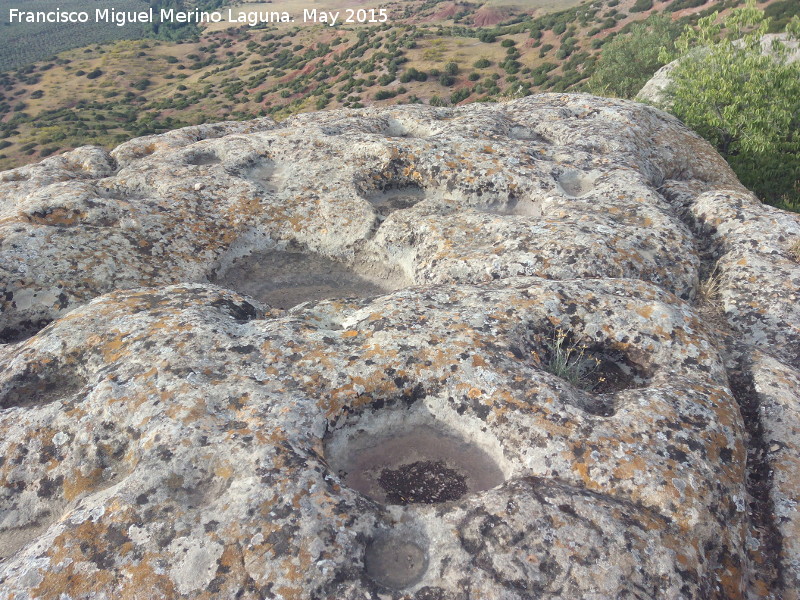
168, 436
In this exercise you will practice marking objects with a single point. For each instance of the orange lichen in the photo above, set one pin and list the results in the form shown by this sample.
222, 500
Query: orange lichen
78, 483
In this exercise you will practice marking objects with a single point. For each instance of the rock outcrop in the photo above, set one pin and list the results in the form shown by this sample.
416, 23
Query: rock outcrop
549, 348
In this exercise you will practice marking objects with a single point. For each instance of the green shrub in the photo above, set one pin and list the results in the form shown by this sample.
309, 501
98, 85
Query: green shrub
629, 60
781, 13
413, 74
570, 360
459, 95
744, 102
681, 4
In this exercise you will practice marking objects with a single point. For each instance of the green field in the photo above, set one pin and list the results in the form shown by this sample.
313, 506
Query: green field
24, 43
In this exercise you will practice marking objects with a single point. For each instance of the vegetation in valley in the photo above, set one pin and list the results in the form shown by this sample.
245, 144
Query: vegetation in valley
430, 51
629, 60
24, 43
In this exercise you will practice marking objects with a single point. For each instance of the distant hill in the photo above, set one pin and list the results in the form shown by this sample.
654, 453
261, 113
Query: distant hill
428, 51
24, 43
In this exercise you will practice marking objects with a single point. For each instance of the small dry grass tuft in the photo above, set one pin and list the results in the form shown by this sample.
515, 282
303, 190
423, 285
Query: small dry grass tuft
570, 360
794, 249
711, 287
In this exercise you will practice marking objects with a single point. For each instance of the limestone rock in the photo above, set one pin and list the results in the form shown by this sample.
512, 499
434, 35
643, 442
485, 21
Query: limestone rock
655, 90
319, 359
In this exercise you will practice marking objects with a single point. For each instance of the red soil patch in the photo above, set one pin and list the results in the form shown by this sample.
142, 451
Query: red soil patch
486, 16
447, 12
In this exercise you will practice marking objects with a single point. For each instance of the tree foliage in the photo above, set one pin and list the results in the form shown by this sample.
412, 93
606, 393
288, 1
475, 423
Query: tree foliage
742, 97
628, 61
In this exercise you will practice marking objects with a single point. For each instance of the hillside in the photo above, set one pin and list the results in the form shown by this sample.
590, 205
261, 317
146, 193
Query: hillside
440, 53
22, 43
37, 31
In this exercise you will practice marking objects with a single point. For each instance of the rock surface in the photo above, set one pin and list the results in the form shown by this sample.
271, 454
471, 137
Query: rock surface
318, 359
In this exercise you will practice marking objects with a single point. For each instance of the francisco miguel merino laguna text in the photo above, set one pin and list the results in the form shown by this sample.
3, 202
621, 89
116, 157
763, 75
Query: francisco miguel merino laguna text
171, 15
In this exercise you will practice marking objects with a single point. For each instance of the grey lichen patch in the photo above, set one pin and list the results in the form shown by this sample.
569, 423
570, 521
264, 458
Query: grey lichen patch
524, 207
202, 158
40, 383
22, 330
195, 564
26, 524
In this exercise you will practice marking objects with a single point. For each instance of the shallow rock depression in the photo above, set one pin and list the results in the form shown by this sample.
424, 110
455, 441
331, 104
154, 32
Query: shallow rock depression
543, 349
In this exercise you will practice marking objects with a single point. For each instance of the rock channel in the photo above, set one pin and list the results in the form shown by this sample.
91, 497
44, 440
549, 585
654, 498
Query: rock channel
315, 359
